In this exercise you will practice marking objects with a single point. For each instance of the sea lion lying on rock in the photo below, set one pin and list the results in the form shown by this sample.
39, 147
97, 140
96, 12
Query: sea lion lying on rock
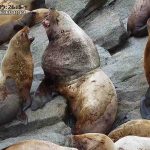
8, 30
96, 141
145, 103
137, 20
18, 64
70, 65
37, 145
135, 127
91, 6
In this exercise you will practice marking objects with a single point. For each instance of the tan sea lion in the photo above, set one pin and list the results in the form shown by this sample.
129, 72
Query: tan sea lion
92, 141
70, 65
8, 30
135, 127
136, 25
18, 64
145, 102
37, 145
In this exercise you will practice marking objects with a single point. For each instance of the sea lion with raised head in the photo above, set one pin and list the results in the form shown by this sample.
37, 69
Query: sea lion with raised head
70, 65
136, 25
18, 64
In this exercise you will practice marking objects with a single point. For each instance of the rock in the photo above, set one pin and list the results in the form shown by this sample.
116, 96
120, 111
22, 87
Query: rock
105, 31
53, 112
104, 55
125, 69
56, 134
38, 73
39, 44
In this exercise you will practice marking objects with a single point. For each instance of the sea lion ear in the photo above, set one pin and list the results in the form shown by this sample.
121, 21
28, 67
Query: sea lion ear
148, 26
18, 27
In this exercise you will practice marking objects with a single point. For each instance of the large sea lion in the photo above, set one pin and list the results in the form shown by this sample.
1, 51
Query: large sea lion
18, 64
70, 65
91, 6
145, 103
37, 145
135, 127
136, 25
8, 30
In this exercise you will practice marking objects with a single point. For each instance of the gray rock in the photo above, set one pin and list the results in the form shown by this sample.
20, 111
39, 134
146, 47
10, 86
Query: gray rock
52, 113
105, 31
125, 69
39, 44
56, 134
104, 55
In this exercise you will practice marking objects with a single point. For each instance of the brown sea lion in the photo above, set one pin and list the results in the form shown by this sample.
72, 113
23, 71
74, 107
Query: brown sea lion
8, 30
37, 145
135, 127
91, 6
10, 103
18, 64
136, 25
92, 141
70, 65
145, 103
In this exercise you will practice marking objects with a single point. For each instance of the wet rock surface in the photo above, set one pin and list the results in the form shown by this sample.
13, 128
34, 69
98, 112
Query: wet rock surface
121, 59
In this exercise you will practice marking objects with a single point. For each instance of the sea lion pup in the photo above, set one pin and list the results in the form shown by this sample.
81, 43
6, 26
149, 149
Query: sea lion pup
10, 103
92, 141
91, 6
8, 30
18, 64
37, 145
145, 102
70, 65
136, 128
136, 25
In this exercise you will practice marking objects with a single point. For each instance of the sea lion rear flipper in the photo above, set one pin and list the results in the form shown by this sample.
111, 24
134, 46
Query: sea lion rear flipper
27, 104
43, 95
141, 32
145, 105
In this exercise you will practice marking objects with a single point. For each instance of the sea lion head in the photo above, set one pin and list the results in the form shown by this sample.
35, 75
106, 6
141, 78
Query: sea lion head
56, 23
40, 14
22, 39
93, 141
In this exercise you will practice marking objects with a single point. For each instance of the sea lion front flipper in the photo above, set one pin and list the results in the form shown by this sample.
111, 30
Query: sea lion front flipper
141, 32
43, 95
145, 105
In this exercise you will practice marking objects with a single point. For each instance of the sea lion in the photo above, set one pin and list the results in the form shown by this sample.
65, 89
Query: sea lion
70, 65
136, 25
8, 30
139, 127
10, 103
145, 102
18, 64
92, 141
91, 6
37, 145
